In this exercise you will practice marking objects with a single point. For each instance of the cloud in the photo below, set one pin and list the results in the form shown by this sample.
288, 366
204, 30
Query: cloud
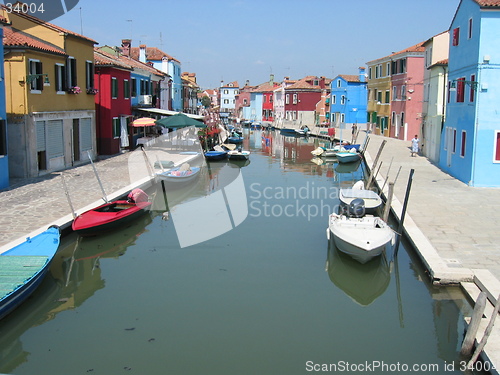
259, 62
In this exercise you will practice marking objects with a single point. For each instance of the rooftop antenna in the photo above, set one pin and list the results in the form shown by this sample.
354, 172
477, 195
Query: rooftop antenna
130, 28
81, 22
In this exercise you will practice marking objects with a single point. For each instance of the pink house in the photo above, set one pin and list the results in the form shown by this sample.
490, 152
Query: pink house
407, 92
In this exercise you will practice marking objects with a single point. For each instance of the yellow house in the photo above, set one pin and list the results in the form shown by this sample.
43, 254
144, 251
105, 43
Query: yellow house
379, 95
49, 80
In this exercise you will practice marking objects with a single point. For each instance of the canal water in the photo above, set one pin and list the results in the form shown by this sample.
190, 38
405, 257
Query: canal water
253, 288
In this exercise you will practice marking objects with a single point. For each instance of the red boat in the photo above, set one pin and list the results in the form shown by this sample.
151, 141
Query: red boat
112, 215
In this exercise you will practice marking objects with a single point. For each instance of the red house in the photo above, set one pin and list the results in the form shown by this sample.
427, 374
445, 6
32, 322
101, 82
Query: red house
301, 99
113, 108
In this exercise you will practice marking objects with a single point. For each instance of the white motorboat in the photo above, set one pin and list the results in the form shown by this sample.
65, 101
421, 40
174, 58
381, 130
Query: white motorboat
363, 238
372, 199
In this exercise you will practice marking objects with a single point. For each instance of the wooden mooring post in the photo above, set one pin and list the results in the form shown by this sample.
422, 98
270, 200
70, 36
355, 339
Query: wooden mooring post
403, 212
372, 170
487, 333
387, 207
477, 315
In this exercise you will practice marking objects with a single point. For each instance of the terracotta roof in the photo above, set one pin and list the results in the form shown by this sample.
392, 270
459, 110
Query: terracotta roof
234, 85
265, 87
102, 58
350, 77
440, 63
419, 47
302, 85
488, 3
16, 38
134, 63
152, 53
51, 25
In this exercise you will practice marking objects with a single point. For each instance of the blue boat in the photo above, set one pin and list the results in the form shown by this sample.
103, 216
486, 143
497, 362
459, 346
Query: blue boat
23, 268
235, 140
215, 155
348, 147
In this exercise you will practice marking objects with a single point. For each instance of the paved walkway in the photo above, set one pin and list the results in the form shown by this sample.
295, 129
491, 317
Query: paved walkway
461, 222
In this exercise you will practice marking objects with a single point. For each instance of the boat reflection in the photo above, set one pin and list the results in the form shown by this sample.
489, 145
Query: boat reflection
364, 283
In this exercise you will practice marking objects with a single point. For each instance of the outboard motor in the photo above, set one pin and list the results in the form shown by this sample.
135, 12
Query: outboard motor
357, 208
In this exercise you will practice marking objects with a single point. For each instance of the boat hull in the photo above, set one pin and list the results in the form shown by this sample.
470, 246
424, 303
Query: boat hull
23, 268
215, 155
175, 176
237, 155
372, 200
361, 238
348, 157
235, 140
108, 217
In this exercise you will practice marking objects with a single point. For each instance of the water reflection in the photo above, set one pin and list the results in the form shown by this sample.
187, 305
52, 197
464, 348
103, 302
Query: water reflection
364, 283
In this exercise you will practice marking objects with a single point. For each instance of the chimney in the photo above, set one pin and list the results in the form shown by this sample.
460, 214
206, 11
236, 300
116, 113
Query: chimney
126, 43
322, 82
142, 53
362, 76
221, 83
247, 82
271, 79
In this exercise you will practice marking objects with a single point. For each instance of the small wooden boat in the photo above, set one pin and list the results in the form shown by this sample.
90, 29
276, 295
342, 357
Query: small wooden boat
23, 268
235, 139
372, 199
111, 215
238, 155
363, 237
215, 155
288, 131
350, 156
180, 174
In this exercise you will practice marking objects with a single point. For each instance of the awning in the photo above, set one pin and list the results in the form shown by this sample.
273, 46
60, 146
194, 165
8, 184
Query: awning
166, 112
179, 120
143, 121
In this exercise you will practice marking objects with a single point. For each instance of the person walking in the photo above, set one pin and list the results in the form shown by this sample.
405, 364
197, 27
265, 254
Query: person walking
415, 145
354, 131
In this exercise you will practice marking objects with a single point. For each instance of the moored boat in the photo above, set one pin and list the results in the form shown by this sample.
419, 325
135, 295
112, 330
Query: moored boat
23, 268
361, 236
112, 215
215, 155
180, 174
348, 156
371, 199
238, 155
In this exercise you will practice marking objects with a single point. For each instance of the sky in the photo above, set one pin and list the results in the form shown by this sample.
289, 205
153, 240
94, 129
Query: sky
240, 40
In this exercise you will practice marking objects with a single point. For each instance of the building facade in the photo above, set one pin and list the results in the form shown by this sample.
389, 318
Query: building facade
50, 104
470, 142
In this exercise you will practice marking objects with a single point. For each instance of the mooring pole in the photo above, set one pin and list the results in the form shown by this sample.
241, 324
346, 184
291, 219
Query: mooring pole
477, 315
98, 179
387, 207
403, 213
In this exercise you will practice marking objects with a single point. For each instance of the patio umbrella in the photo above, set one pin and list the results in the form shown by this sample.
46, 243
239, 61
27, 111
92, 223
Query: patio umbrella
179, 120
143, 121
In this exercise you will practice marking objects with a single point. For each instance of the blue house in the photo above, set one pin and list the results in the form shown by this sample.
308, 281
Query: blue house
4, 158
470, 141
348, 100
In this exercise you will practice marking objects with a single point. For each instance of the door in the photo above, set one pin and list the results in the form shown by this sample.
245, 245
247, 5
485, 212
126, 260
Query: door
76, 140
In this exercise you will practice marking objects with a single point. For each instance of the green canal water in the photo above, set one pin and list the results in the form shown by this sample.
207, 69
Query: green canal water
265, 294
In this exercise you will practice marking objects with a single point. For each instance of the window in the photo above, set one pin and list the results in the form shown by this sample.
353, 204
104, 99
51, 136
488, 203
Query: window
287, 99
295, 99
456, 36
394, 93
449, 91
89, 75
126, 89
35, 67
388, 69
116, 127
497, 146
472, 91
342, 117
469, 31
379, 97
134, 87
342, 100
402, 119
460, 90
403, 92
60, 74
454, 147
226, 101
114, 88
3, 137
71, 72
339, 83
387, 96
462, 145
226, 92
370, 72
